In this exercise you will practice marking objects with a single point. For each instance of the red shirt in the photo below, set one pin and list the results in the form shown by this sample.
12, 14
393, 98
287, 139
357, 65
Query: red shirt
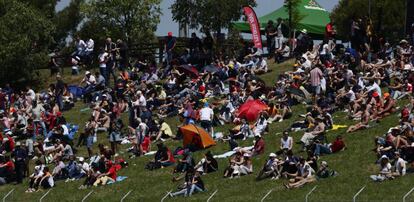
259, 147
9, 166
337, 146
329, 30
146, 143
170, 157
112, 172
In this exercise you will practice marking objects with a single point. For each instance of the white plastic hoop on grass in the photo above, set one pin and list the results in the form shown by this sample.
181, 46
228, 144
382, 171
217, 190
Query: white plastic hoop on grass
7, 195
87, 195
308, 194
166, 195
126, 195
355, 196
214, 193
407, 194
268, 193
44, 195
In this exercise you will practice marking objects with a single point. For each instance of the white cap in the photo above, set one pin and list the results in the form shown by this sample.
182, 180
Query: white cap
272, 155
384, 157
18, 144
324, 163
81, 159
257, 135
246, 155
87, 72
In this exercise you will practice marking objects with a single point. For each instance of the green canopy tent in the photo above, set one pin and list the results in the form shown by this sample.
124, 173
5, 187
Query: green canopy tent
314, 18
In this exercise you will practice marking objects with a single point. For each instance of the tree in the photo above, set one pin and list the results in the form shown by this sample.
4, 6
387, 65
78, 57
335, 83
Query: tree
132, 20
208, 15
67, 21
387, 16
25, 35
291, 7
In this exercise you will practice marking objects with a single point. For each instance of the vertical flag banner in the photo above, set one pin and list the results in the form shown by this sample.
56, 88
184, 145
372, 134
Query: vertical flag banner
254, 26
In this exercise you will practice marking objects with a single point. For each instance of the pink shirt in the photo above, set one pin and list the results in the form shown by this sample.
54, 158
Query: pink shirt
316, 76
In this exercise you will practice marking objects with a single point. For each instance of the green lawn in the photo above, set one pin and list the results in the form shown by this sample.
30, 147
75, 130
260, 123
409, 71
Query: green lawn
354, 166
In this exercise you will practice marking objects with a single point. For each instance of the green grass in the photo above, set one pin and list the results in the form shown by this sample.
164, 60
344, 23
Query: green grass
354, 166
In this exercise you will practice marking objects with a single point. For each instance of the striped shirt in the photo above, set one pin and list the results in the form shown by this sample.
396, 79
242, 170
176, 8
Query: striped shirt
316, 76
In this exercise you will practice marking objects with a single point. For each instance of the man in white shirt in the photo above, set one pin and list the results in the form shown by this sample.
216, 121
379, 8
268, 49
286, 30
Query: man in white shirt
206, 117
103, 59
80, 46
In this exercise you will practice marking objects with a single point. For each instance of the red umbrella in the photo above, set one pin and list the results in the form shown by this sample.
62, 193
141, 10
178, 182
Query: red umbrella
251, 109
188, 70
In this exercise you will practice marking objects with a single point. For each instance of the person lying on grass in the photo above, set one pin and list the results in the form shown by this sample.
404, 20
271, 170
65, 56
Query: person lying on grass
337, 145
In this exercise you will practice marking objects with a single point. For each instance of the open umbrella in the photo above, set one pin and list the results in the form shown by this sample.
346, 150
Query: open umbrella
211, 68
188, 70
251, 109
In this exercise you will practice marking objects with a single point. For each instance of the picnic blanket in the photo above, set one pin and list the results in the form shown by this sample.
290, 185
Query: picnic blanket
119, 179
229, 153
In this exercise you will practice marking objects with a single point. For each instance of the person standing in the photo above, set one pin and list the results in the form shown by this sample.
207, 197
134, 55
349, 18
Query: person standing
110, 48
122, 48
282, 32
60, 87
103, 59
169, 47
316, 76
206, 118
20, 156
270, 37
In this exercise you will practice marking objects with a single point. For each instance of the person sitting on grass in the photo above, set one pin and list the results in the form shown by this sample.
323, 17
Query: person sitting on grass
286, 143
318, 130
385, 170
193, 183
324, 171
259, 145
164, 131
365, 117
388, 108
271, 168
400, 166
109, 176
234, 161
244, 168
185, 163
304, 175
208, 164
163, 158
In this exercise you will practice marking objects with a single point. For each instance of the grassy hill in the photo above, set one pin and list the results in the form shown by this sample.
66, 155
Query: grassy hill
354, 166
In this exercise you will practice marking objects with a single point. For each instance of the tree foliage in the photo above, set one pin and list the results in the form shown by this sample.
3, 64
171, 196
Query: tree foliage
387, 16
131, 20
208, 15
25, 35
292, 8
67, 21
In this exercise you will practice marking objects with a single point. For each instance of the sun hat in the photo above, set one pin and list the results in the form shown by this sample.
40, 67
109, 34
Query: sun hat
272, 155
81, 159
87, 72
304, 31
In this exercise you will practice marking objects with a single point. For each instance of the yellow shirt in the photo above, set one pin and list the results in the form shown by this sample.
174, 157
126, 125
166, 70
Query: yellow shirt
165, 128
